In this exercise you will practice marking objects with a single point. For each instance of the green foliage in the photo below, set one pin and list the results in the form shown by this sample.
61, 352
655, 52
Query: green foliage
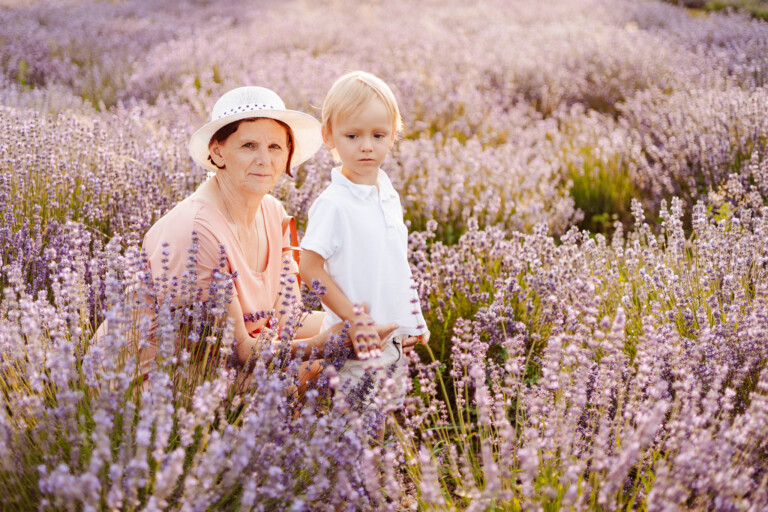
756, 8
21, 73
602, 190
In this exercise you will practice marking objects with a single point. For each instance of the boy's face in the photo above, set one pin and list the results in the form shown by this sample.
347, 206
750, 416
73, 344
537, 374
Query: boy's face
362, 141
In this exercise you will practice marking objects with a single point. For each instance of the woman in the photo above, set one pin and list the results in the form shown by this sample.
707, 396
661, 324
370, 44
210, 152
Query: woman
236, 226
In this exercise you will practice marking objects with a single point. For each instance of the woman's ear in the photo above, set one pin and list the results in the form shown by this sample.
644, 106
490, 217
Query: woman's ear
214, 148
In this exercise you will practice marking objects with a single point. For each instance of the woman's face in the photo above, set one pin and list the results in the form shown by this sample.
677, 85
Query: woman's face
254, 156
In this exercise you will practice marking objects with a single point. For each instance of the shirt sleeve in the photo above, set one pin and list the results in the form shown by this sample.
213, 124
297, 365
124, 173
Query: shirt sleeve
209, 252
321, 235
172, 249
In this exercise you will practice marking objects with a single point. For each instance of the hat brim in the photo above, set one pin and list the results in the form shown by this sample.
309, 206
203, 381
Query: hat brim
307, 136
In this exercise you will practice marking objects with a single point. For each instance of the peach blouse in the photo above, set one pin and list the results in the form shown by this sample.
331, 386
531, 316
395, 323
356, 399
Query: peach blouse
218, 245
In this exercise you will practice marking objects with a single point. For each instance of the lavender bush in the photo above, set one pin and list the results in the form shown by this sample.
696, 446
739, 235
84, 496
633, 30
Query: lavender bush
597, 374
586, 186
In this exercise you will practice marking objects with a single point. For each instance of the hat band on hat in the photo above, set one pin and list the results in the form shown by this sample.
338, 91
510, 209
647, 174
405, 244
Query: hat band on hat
246, 108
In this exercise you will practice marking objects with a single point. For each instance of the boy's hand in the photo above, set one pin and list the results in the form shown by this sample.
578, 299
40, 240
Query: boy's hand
367, 337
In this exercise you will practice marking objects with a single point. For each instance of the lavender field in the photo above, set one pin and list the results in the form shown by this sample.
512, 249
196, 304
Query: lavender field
586, 186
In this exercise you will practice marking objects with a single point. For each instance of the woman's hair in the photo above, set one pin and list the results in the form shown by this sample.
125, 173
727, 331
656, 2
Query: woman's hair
223, 133
352, 92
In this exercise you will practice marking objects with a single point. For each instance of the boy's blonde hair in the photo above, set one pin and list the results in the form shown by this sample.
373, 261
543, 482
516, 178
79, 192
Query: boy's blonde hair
354, 90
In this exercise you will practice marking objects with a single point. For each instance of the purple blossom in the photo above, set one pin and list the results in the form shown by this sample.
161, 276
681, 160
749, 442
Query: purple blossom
565, 369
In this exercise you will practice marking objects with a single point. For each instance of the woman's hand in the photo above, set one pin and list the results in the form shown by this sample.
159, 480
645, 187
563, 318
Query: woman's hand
410, 342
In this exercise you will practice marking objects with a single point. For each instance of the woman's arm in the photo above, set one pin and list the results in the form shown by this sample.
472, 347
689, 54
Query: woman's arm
304, 347
245, 344
311, 323
365, 337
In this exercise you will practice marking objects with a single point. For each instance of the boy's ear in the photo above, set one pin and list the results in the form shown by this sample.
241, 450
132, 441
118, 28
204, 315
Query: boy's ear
392, 135
327, 137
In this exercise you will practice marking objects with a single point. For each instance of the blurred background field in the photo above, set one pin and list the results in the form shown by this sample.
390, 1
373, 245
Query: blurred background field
586, 187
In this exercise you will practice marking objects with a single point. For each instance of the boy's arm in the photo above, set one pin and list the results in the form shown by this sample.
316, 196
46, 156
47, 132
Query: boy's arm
365, 339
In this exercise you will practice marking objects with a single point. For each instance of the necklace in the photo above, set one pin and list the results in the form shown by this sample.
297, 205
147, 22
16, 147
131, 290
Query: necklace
234, 223
226, 207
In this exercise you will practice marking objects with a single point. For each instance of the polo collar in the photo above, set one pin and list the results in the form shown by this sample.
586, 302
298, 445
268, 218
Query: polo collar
363, 191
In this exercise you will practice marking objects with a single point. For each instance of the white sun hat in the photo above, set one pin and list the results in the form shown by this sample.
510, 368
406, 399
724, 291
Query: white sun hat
253, 101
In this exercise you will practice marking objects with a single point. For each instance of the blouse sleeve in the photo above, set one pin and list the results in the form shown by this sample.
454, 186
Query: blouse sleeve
187, 239
210, 254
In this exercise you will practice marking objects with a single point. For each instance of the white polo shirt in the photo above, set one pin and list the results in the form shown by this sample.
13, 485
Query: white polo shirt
360, 233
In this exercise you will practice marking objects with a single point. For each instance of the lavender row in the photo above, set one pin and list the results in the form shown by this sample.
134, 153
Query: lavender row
526, 92
596, 374
566, 370
592, 373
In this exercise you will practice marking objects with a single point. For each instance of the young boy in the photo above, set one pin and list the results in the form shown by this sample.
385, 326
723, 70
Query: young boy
356, 242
